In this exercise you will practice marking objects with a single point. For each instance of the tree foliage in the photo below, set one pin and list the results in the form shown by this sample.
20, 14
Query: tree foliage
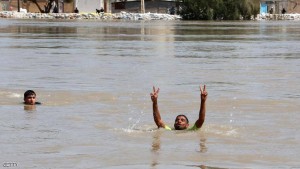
218, 9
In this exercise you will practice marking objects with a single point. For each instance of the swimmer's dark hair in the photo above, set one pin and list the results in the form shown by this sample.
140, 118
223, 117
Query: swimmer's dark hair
187, 120
28, 93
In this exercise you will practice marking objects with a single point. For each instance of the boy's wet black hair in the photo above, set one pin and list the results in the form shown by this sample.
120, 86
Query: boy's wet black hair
28, 93
187, 120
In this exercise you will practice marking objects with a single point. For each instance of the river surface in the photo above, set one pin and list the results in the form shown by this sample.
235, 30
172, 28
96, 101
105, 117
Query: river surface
94, 79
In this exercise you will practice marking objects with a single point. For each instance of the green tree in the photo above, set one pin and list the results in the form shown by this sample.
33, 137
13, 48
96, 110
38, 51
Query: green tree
218, 9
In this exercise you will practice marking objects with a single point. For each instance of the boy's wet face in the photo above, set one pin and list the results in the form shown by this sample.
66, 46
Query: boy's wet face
181, 123
30, 99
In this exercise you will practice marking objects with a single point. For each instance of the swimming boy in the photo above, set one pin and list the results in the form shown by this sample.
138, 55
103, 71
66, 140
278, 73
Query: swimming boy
30, 98
181, 121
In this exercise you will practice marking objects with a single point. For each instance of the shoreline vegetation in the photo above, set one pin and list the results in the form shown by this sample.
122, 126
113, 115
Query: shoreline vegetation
124, 16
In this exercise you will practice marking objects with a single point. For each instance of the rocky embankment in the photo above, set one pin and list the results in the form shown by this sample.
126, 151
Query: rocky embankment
124, 16
102, 16
278, 17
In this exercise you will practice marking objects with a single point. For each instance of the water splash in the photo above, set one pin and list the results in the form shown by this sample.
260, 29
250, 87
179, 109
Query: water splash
222, 130
14, 95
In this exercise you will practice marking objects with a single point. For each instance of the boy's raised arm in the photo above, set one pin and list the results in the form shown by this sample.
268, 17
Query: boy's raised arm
156, 114
202, 110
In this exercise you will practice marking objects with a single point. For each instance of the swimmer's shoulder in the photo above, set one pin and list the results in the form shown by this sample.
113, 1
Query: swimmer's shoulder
167, 127
194, 128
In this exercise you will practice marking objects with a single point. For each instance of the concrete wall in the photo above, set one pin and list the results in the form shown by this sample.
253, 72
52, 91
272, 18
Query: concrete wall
87, 6
135, 6
293, 6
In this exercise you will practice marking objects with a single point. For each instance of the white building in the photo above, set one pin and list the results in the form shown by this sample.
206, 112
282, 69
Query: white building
91, 5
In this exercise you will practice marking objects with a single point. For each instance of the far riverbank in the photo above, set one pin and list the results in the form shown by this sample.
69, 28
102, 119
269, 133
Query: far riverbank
124, 16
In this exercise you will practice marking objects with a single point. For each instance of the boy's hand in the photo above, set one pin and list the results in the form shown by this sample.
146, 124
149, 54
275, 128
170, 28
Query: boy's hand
203, 93
154, 94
